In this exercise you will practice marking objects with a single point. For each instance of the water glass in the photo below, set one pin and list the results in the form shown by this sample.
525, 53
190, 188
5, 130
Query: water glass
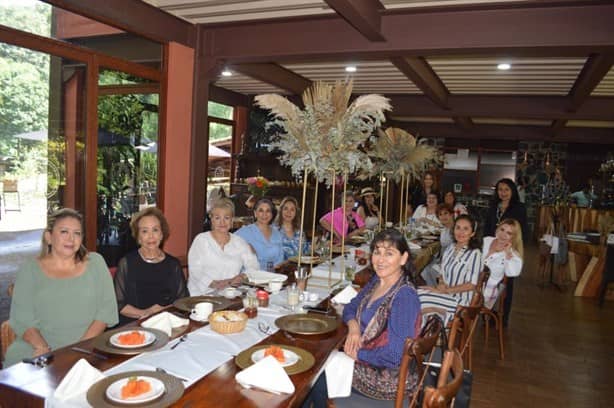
294, 294
270, 266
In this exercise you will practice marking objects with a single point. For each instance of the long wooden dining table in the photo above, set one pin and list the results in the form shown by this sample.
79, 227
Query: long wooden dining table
26, 385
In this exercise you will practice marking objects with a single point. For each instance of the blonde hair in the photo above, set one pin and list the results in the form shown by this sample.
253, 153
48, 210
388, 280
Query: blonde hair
517, 235
58, 215
297, 216
150, 212
223, 203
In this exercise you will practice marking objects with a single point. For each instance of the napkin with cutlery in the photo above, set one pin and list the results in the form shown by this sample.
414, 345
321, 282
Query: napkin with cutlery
73, 388
267, 375
339, 371
345, 296
165, 322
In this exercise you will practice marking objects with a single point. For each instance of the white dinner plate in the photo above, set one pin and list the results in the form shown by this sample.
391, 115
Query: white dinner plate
290, 356
149, 338
264, 277
114, 391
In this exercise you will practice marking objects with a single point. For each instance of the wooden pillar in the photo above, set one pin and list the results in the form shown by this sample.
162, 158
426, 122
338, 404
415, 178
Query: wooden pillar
176, 145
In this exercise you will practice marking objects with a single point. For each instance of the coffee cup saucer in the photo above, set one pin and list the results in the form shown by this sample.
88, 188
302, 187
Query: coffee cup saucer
198, 318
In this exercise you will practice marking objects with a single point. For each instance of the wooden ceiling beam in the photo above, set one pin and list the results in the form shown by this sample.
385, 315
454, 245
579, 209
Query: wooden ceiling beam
228, 97
464, 122
134, 16
363, 15
275, 75
546, 30
422, 75
596, 67
507, 132
557, 126
513, 107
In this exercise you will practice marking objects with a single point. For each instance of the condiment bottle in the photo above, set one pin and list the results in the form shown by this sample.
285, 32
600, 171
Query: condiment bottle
263, 298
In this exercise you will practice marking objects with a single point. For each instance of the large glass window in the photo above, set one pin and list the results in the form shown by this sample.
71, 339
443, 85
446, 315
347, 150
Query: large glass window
221, 129
127, 162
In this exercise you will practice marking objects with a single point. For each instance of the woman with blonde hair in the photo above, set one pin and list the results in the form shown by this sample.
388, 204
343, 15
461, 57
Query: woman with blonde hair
148, 279
287, 222
63, 296
503, 255
218, 259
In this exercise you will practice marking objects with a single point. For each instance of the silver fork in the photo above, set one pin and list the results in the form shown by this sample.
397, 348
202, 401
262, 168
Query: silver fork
264, 328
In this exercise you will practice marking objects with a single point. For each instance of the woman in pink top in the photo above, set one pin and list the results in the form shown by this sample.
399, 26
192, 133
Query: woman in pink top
347, 226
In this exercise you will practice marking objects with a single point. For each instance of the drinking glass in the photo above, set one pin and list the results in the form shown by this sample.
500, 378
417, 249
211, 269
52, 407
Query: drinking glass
293, 297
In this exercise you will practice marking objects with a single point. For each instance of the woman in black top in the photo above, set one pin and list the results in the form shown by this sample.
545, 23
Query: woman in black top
148, 279
422, 190
506, 204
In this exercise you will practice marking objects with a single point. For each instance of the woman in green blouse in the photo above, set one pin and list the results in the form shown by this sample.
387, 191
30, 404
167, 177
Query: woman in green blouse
62, 297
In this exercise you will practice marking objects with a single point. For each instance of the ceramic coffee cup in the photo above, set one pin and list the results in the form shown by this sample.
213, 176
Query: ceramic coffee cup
275, 285
202, 310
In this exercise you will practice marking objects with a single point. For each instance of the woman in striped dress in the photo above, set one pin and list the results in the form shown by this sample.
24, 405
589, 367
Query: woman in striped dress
460, 267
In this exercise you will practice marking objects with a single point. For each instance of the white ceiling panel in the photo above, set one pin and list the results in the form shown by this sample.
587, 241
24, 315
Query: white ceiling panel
370, 77
528, 76
245, 85
606, 86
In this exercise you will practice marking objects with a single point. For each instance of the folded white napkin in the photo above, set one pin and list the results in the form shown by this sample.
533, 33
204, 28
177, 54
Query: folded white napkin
165, 322
77, 381
339, 372
268, 375
263, 277
345, 296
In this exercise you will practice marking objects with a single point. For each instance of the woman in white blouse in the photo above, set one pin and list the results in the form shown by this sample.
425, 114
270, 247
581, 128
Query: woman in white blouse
218, 259
503, 256
426, 214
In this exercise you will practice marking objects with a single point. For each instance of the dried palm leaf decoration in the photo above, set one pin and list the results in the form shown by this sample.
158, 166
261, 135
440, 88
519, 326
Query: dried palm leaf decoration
400, 155
327, 136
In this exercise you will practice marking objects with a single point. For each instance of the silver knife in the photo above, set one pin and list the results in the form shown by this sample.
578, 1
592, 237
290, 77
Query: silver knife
93, 353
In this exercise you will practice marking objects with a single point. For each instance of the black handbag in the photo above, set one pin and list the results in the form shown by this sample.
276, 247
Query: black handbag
431, 374
463, 396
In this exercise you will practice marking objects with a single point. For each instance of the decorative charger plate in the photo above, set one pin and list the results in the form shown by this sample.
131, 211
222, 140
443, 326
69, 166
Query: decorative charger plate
305, 361
173, 390
305, 259
310, 323
103, 342
187, 303
148, 338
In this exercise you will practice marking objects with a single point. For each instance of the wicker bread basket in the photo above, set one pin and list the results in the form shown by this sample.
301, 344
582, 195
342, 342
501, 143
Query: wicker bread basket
234, 322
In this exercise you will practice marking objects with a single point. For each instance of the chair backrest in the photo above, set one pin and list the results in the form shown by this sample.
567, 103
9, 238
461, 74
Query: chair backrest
482, 280
446, 390
463, 327
415, 349
7, 337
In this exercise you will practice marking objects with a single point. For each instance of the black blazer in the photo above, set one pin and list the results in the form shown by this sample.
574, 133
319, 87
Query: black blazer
517, 212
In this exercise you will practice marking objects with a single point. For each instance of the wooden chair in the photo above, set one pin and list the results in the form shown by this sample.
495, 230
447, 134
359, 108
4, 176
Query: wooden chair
497, 318
7, 335
414, 350
461, 335
446, 390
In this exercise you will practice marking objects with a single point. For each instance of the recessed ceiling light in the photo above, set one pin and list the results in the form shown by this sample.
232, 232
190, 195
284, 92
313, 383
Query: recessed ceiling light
350, 68
226, 73
504, 66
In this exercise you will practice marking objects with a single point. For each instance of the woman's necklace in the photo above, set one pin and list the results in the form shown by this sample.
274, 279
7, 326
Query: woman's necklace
154, 259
